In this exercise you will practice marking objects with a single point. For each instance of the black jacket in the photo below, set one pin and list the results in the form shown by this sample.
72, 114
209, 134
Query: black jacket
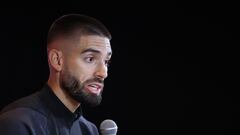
42, 113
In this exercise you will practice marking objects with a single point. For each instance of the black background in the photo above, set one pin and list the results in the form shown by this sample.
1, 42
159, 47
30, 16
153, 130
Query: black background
174, 65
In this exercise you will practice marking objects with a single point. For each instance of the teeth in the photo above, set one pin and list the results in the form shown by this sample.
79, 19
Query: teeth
93, 85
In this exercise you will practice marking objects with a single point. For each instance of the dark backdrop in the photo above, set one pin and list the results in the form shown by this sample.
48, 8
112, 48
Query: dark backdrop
173, 68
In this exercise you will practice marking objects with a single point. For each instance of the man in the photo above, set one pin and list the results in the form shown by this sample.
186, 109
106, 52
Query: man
79, 51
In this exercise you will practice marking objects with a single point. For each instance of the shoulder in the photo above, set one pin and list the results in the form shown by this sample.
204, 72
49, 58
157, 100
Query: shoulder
29, 103
21, 120
10, 124
23, 114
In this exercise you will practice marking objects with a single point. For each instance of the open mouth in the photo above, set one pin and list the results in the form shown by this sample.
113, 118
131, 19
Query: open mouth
94, 88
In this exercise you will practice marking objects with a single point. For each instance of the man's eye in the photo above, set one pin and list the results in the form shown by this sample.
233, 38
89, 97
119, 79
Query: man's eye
89, 59
107, 62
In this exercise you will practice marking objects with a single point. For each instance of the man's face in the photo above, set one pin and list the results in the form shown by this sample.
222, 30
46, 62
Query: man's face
85, 68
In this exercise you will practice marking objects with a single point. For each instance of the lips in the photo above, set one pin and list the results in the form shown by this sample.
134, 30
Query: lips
94, 88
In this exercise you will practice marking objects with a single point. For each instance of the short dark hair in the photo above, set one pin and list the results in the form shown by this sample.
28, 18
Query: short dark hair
68, 25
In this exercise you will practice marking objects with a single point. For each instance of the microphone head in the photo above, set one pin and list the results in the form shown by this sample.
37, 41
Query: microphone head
108, 127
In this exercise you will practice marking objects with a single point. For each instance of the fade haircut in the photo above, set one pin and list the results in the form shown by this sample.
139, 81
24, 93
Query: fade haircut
76, 24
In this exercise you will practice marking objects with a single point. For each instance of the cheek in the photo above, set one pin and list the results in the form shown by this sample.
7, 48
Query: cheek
83, 72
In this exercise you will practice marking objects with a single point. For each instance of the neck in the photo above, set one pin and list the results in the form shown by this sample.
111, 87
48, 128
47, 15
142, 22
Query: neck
68, 101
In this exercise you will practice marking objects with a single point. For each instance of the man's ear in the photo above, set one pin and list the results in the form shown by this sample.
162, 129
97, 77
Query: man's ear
55, 59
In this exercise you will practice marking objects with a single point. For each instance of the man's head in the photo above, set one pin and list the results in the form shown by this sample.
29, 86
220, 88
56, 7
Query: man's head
78, 54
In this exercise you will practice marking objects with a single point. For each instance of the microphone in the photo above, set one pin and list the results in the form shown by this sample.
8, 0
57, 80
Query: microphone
108, 127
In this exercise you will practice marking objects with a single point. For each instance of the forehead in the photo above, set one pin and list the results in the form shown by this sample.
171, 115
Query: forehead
96, 42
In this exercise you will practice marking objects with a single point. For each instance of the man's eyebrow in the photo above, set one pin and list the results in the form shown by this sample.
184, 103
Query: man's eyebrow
91, 50
94, 51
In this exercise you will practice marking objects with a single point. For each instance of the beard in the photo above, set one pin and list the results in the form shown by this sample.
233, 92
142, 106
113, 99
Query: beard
75, 89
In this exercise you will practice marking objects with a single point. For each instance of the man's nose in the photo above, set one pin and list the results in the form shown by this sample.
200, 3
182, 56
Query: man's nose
101, 71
